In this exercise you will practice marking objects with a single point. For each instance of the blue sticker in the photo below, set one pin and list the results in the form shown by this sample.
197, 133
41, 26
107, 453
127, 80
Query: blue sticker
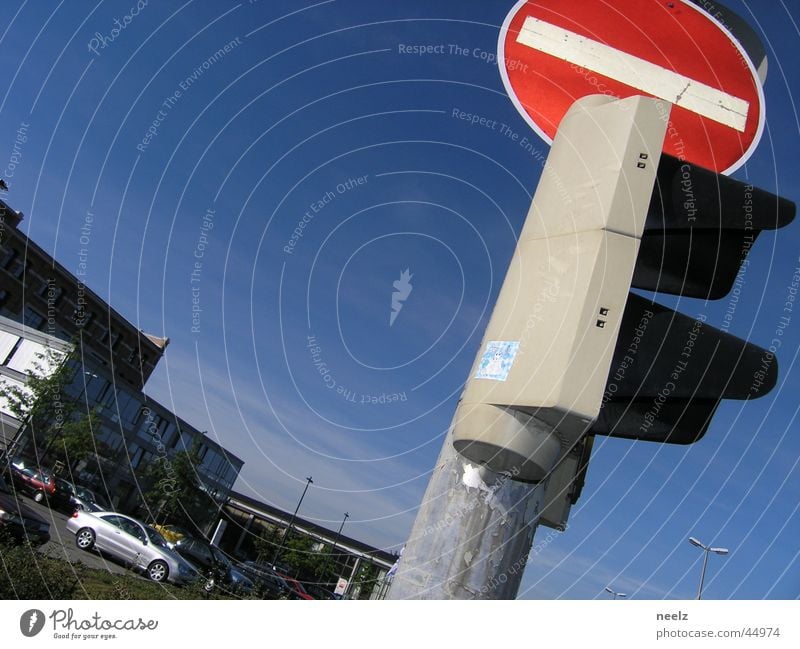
497, 360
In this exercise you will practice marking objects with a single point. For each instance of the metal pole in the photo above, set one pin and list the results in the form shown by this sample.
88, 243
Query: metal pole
471, 538
309, 482
333, 549
703, 573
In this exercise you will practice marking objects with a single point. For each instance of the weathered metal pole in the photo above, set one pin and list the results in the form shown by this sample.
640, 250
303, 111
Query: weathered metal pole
472, 535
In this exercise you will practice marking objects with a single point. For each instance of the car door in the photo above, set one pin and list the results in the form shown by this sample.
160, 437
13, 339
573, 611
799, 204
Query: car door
135, 540
111, 535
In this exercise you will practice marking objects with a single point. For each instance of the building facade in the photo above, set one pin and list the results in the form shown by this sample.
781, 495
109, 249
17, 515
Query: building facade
249, 522
43, 305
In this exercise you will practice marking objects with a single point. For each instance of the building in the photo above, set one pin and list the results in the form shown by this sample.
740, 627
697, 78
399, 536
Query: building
43, 305
20, 347
249, 520
40, 293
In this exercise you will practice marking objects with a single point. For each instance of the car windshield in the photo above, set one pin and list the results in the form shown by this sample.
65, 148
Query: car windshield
63, 485
84, 493
155, 537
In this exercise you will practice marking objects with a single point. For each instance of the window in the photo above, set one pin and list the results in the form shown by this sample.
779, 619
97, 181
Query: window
136, 458
32, 318
6, 256
169, 433
129, 408
17, 268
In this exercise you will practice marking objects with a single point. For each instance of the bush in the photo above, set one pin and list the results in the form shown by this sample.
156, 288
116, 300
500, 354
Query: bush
26, 574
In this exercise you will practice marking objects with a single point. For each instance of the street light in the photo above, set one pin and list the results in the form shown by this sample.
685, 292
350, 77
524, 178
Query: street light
335, 541
706, 549
615, 594
309, 482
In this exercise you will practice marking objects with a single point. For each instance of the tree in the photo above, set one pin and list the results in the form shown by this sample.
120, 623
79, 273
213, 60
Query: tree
76, 441
51, 419
175, 494
365, 581
266, 543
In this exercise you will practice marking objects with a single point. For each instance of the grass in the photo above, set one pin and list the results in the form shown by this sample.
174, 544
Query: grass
27, 574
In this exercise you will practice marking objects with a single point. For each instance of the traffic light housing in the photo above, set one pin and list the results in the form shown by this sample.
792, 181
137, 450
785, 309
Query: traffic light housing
569, 352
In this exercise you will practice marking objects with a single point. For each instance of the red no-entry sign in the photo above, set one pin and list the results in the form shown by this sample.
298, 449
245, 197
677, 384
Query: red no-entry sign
553, 52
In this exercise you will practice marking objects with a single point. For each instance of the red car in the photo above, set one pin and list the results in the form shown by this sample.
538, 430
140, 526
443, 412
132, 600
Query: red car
36, 483
298, 592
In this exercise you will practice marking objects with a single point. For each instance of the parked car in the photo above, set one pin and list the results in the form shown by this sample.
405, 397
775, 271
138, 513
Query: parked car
317, 591
214, 564
36, 483
132, 543
19, 520
87, 500
297, 588
267, 581
61, 498
172, 533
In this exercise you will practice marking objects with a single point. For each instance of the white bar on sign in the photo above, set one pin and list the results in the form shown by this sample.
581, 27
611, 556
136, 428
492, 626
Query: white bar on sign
635, 72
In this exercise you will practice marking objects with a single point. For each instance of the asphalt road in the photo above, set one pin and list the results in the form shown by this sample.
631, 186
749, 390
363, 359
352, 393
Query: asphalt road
62, 542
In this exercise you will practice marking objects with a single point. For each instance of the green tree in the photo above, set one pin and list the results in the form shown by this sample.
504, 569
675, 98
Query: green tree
52, 422
76, 440
365, 581
174, 493
266, 543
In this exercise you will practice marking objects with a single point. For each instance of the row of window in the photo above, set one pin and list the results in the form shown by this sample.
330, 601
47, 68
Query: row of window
36, 320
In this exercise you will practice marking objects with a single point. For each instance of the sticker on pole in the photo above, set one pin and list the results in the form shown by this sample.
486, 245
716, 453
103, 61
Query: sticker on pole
553, 52
497, 360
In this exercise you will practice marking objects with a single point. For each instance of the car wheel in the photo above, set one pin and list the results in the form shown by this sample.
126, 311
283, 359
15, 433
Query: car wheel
84, 539
38, 496
158, 570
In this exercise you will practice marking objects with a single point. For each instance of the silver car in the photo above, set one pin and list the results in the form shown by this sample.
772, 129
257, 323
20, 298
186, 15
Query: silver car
131, 542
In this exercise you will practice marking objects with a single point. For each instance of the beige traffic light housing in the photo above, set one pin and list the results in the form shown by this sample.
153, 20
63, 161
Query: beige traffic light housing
537, 383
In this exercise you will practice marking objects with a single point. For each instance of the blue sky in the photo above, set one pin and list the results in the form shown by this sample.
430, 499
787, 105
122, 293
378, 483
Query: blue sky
194, 162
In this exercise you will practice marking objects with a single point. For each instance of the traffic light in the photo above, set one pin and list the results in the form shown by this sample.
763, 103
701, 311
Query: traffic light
569, 351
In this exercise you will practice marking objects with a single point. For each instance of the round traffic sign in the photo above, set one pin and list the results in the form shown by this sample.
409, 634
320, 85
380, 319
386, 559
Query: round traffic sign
553, 52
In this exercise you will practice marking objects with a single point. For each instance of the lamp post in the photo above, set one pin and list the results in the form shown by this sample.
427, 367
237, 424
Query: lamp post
615, 594
706, 549
335, 541
309, 482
